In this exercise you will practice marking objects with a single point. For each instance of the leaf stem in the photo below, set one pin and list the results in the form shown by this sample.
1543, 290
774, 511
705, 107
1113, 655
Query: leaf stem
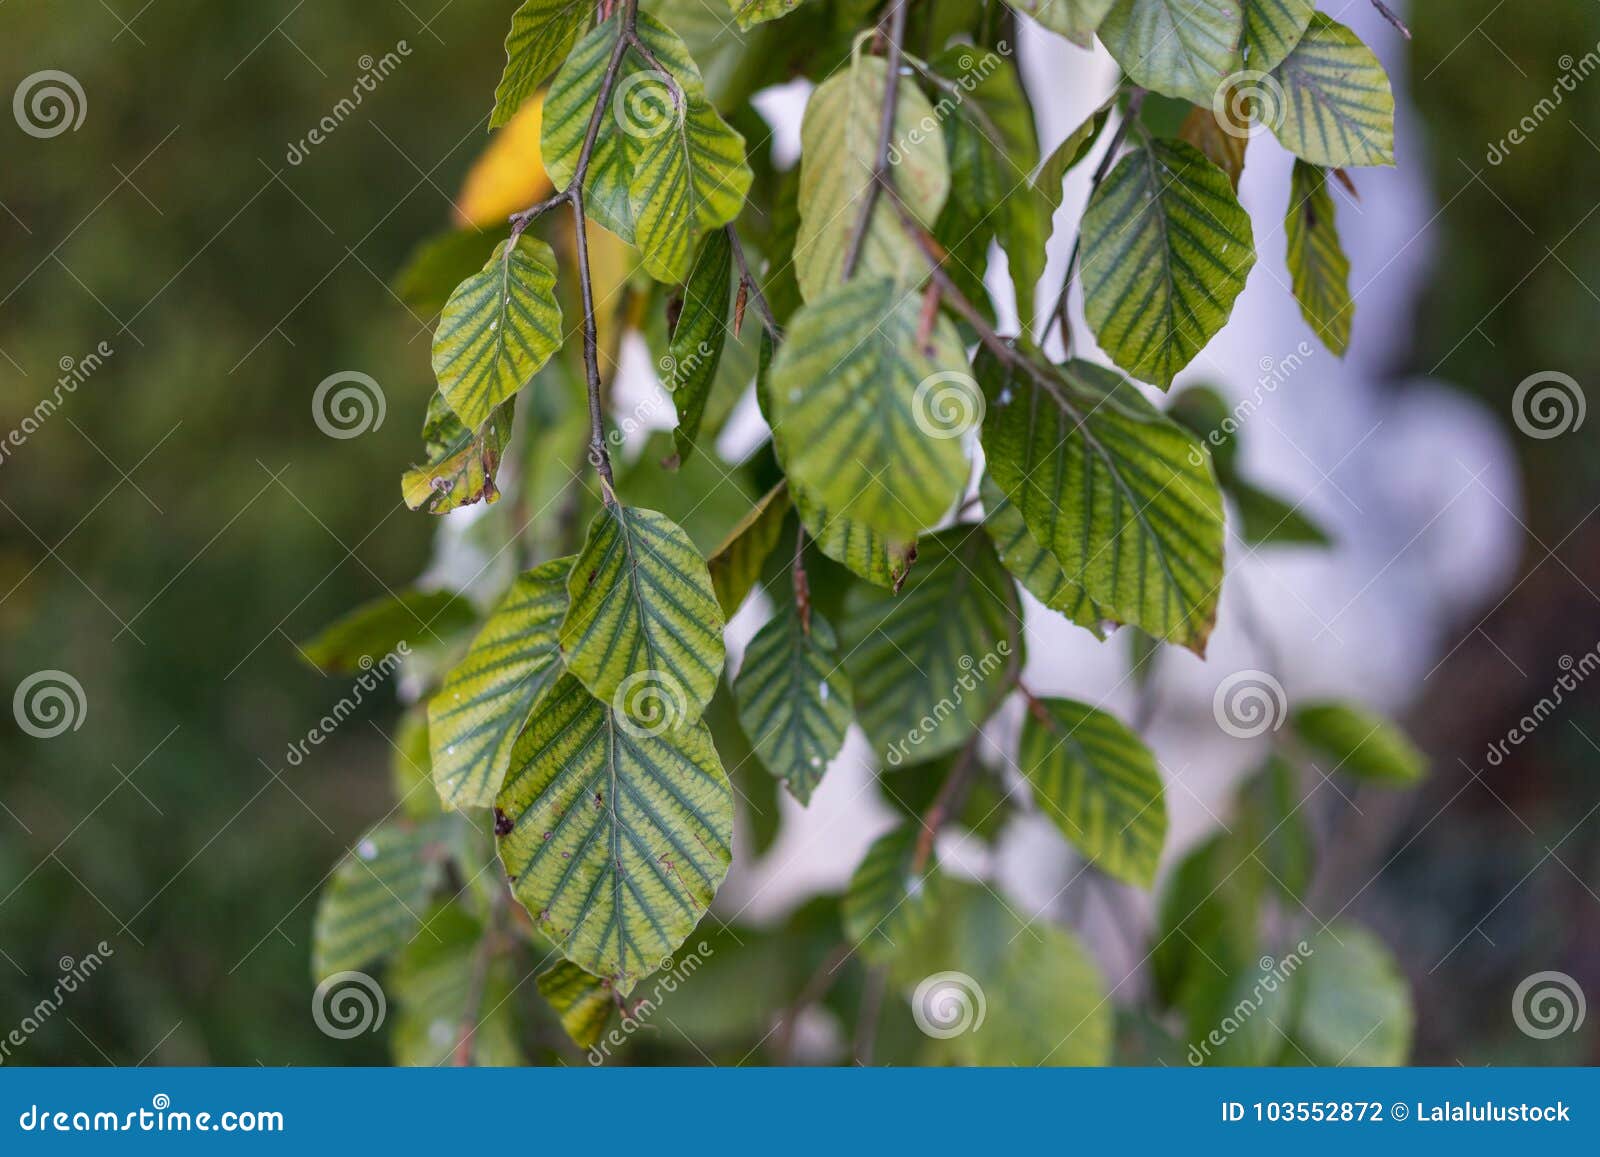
945, 805
802, 583
880, 161
1130, 117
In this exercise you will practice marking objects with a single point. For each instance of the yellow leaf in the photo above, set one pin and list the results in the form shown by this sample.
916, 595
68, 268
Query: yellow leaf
509, 175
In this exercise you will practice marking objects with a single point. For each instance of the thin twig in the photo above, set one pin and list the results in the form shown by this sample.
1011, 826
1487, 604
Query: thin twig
880, 159
488, 946
802, 584
748, 280
1389, 14
945, 805
814, 990
1130, 116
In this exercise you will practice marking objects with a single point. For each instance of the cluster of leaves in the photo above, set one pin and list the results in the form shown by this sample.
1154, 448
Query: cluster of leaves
587, 710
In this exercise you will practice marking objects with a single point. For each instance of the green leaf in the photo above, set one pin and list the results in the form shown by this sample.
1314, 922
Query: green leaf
838, 151
1355, 1004
702, 330
379, 628
1362, 744
736, 564
439, 997
498, 328
990, 987
1337, 109
1271, 30
1166, 250
1033, 566
1267, 520
643, 631
794, 698
1099, 784
542, 33
871, 415
618, 836
1245, 1018
1182, 48
880, 559
1317, 263
1207, 927
930, 664
1121, 496
1053, 173
461, 460
749, 13
890, 902
583, 1002
475, 717
1077, 20
374, 903
411, 767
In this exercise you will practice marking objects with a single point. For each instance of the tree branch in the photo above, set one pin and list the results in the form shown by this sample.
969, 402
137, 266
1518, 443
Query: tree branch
880, 161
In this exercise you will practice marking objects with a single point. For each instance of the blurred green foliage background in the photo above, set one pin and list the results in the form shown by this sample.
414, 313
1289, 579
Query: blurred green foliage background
182, 518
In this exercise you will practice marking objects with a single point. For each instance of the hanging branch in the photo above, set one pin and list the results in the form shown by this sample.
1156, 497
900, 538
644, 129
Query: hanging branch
880, 161
1390, 15
627, 38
